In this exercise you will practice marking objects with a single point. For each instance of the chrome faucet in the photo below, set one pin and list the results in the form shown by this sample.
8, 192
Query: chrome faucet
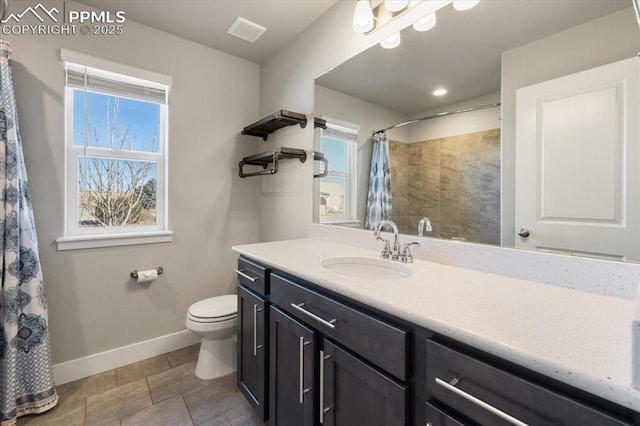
424, 225
387, 251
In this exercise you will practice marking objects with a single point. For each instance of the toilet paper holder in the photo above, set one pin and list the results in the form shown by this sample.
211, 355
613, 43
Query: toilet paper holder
134, 274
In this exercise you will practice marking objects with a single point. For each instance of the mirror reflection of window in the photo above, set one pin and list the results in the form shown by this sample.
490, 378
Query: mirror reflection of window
338, 142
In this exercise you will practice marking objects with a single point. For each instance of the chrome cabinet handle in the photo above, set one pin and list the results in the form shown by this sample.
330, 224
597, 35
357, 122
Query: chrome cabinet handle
255, 329
524, 232
301, 370
248, 277
322, 359
479, 402
330, 323
302, 389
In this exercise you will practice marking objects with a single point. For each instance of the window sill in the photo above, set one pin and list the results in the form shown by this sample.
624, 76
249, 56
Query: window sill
354, 223
79, 242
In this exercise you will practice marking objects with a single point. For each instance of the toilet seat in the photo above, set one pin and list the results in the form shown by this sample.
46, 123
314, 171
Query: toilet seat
210, 320
214, 309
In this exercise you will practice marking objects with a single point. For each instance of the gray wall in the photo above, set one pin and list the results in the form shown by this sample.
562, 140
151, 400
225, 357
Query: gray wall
287, 81
369, 117
599, 42
93, 304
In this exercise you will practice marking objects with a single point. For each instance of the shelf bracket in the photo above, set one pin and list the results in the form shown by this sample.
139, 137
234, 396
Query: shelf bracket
265, 159
319, 156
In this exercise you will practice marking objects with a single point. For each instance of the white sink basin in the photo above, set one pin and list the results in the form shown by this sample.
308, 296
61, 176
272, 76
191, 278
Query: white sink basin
365, 267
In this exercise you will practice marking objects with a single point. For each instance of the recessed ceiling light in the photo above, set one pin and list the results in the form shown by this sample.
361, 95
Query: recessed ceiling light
439, 92
246, 30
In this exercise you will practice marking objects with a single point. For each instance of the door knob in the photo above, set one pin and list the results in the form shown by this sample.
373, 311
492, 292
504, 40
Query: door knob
524, 232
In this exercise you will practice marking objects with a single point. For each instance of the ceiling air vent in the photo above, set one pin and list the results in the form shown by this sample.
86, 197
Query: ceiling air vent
246, 30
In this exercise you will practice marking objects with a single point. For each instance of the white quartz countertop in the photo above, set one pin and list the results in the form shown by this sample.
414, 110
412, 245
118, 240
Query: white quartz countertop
578, 338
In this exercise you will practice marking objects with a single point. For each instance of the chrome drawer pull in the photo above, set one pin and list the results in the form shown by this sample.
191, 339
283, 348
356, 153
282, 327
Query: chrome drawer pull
479, 402
245, 276
329, 323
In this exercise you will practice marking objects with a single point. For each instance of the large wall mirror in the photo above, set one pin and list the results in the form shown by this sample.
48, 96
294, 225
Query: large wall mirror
461, 170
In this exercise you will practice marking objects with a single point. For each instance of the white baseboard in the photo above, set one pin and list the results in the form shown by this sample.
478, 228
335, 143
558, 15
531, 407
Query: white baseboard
97, 363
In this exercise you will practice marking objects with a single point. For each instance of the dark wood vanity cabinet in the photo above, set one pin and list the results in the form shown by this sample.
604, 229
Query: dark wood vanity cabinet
326, 362
310, 357
356, 393
253, 337
489, 395
292, 371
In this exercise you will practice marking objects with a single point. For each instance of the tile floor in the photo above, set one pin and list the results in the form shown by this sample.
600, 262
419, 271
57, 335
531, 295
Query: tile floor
161, 391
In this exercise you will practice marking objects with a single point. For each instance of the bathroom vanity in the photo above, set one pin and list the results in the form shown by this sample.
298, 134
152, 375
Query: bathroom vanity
435, 345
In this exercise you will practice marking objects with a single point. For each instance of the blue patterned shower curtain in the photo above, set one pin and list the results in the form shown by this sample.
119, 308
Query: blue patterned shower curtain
26, 374
379, 197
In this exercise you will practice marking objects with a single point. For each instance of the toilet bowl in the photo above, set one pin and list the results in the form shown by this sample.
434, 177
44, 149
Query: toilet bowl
214, 320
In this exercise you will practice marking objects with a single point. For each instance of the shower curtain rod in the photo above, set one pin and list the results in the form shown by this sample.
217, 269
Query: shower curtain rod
441, 114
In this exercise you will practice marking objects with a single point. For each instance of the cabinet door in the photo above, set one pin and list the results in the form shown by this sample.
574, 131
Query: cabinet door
252, 338
292, 371
354, 393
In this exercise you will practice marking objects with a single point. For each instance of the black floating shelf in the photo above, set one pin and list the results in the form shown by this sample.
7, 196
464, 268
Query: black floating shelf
264, 159
319, 123
273, 122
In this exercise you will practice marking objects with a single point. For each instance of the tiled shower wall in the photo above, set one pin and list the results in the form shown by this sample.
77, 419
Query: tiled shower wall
454, 181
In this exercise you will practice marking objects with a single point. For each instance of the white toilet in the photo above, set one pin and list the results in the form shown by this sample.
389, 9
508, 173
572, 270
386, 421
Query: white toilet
214, 319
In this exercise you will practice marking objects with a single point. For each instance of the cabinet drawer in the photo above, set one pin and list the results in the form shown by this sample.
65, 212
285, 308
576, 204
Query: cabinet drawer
482, 392
253, 276
377, 341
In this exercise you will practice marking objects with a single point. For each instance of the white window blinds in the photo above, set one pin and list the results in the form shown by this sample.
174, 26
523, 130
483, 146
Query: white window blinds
96, 82
112, 78
343, 133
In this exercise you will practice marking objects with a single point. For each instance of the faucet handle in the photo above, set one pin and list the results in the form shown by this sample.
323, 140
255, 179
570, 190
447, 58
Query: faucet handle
406, 256
386, 250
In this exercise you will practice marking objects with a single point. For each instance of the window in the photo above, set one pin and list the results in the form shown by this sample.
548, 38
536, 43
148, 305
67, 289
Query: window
116, 157
338, 142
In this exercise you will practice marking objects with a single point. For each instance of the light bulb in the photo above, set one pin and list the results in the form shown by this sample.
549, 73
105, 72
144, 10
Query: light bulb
395, 5
439, 92
464, 4
392, 41
425, 23
363, 17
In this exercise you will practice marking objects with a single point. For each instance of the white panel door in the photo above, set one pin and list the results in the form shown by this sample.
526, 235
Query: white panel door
577, 163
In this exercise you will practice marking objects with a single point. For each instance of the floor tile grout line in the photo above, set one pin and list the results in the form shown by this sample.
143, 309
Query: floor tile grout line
188, 410
84, 412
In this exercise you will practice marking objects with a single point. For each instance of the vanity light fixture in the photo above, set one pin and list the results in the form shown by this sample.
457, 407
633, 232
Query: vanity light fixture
371, 15
425, 23
363, 17
395, 5
391, 42
440, 91
464, 4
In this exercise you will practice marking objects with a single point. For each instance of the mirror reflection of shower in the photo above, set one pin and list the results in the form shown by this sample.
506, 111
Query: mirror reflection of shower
448, 186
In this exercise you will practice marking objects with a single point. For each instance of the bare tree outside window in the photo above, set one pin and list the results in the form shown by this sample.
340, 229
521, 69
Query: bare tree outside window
117, 192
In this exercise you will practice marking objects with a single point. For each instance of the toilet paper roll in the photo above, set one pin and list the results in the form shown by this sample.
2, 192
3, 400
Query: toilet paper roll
147, 275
